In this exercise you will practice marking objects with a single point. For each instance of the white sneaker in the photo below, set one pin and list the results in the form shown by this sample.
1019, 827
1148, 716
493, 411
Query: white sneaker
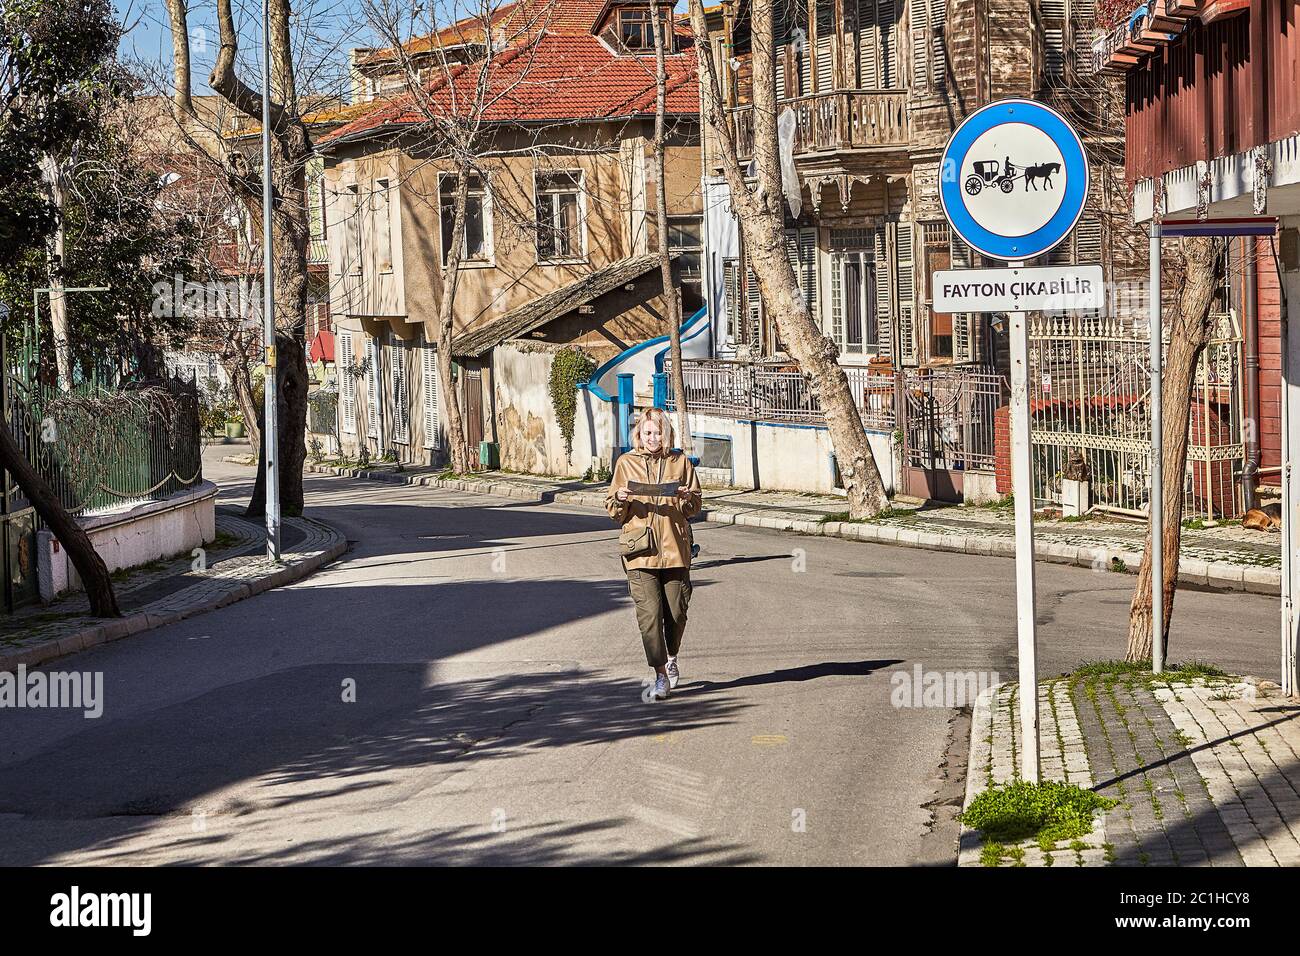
661, 688
674, 674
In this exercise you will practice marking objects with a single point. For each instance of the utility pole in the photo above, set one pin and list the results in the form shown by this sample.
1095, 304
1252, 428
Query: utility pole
269, 430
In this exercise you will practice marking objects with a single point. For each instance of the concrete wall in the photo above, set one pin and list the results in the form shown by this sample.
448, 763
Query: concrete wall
133, 536
529, 435
783, 457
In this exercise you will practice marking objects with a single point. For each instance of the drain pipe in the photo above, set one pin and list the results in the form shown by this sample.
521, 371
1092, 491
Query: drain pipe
1250, 473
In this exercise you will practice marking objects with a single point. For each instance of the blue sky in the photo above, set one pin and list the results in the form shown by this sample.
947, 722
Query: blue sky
333, 26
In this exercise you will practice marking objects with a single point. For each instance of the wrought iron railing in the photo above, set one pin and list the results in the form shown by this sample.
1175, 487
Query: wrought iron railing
776, 393
102, 449
950, 417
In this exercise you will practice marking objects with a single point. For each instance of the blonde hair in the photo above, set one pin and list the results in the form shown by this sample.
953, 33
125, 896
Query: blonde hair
659, 416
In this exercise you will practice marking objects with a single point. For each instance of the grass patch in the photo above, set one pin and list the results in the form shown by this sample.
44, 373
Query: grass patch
1048, 812
1140, 671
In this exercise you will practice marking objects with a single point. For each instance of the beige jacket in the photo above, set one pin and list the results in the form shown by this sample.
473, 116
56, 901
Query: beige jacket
666, 515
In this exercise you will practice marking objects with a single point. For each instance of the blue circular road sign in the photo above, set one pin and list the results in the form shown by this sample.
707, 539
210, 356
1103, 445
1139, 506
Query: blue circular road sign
1014, 179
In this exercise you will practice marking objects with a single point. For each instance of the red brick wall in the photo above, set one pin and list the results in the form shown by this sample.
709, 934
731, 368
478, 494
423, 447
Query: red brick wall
1002, 449
1269, 312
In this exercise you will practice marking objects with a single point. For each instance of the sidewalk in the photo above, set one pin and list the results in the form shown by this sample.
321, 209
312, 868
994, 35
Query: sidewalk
1227, 557
1203, 772
234, 567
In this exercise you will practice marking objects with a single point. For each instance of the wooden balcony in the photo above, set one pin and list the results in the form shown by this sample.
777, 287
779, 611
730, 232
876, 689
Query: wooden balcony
837, 121
1131, 40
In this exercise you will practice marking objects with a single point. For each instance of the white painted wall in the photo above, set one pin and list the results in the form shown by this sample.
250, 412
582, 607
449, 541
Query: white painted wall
787, 457
134, 536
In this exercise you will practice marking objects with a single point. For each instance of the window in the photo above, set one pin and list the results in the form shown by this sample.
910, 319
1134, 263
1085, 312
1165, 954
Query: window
877, 44
381, 207
352, 229
477, 241
559, 217
685, 235
347, 385
429, 381
635, 31
401, 393
316, 208
854, 296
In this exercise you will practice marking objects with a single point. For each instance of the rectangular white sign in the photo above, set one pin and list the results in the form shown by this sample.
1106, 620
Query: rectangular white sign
1038, 289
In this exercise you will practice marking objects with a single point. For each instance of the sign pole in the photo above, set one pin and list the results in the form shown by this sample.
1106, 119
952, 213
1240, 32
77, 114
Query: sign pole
269, 430
1022, 484
1157, 504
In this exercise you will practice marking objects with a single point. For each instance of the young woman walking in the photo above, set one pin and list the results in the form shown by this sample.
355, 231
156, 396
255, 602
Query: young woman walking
656, 540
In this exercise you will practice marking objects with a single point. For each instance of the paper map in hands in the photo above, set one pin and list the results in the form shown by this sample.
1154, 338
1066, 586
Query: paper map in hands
666, 490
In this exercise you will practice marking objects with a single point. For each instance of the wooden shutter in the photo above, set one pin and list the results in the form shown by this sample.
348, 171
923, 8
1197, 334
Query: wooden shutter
372, 386
1052, 15
731, 292
876, 31
919, 19
837, 299
964, 346
754, 310
884, 312
347, 384
825, 45
906, 295
1087, 241
939, 60
401, 394
429, 382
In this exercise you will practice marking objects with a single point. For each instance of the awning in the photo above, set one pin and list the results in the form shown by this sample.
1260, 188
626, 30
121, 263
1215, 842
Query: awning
553, 305
322, 347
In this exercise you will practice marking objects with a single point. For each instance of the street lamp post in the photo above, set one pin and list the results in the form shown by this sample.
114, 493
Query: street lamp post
270, 430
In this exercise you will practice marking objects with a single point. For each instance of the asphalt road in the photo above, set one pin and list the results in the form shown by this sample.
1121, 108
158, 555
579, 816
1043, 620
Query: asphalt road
498, 714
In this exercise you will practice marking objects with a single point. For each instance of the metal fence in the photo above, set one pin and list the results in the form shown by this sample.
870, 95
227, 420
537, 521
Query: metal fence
102, 449
1090, 412
775, 393
950, 417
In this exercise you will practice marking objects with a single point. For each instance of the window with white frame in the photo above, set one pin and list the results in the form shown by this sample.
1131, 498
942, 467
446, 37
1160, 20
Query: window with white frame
382, 211
559, 216
397, 353
347, 385
476, 243
372, 386
429, 383
352, 228
854, 325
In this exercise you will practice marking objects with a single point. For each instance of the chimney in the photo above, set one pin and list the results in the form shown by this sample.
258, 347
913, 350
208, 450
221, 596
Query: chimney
360, 90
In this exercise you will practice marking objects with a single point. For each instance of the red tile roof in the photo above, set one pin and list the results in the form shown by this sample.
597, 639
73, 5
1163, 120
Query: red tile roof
566, 73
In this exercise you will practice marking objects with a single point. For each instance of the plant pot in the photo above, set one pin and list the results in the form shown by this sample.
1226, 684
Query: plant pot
1075, 498
234, 429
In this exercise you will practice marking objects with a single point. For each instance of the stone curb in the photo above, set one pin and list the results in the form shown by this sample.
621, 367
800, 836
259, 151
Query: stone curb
146, 620
1220, 575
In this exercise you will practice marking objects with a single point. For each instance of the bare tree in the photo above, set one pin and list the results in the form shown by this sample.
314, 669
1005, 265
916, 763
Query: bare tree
661, 216
291, 148
1190, 332
453, 92
760, 213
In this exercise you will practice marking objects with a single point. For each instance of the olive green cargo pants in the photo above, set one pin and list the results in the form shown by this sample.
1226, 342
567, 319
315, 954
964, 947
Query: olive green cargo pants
661, 596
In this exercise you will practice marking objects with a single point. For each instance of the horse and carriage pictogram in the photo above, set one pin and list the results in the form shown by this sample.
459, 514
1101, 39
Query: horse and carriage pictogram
1004, 176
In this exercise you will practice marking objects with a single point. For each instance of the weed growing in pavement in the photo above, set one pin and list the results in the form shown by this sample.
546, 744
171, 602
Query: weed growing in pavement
1048, 812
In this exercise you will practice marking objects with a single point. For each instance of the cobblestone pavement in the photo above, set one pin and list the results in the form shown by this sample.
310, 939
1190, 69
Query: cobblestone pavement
1227, 556
1204, 773
171, 590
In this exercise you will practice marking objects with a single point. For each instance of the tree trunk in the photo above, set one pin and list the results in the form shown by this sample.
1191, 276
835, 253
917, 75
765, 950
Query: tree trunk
457, 439
1190, 332
761, 215
90, 566
257, 500
671, 296
241, 384
62, 331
